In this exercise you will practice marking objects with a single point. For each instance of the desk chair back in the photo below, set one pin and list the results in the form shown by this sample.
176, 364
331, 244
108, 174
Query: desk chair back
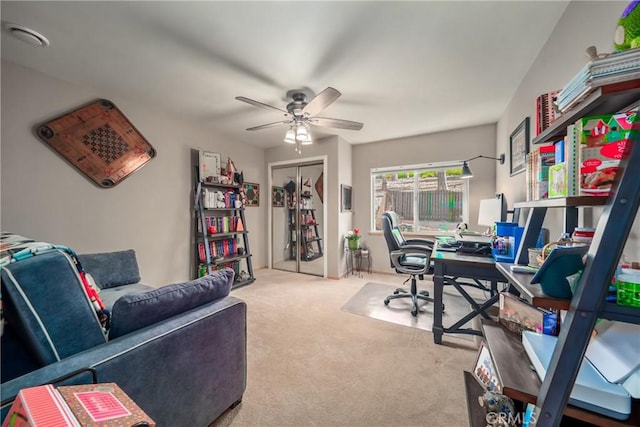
392, 234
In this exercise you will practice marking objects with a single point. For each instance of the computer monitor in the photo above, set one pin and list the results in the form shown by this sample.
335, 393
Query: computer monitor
492, 210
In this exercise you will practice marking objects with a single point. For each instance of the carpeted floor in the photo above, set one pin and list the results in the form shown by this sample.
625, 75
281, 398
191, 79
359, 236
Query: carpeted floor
312, 364
368, 302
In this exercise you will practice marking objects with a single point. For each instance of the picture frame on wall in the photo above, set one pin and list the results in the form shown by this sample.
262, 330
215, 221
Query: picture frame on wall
251, 192
519, 147
277, 197
346, 198
209, 165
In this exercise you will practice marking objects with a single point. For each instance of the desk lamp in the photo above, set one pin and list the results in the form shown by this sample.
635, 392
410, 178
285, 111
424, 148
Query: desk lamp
466, 170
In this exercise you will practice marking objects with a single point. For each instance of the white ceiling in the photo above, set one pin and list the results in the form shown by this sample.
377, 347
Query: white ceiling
404, 68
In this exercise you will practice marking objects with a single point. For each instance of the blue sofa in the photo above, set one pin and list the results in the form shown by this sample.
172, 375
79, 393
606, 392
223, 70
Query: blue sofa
178, 351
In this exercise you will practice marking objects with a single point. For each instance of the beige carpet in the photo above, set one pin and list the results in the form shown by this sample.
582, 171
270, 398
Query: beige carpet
369, 302
312, 364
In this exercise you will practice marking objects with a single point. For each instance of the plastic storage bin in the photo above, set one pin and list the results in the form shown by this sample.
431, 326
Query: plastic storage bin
628, 283
505, 246
506, 228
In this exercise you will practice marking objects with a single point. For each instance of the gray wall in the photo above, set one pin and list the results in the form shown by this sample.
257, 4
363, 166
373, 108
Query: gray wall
560, 59
460, 144
45, 198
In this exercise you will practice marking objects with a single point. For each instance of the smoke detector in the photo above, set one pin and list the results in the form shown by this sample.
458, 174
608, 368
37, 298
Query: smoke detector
26, 34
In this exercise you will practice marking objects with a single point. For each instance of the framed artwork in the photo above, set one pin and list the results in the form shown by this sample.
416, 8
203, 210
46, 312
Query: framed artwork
346, 198
519, 147
252, 193
99, 141
485, 372
209, 165
277, 197
319, 186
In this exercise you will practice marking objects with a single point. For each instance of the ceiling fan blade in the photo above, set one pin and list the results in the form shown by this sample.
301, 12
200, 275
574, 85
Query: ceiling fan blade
261, 104
268, 125
335, 123
321, 101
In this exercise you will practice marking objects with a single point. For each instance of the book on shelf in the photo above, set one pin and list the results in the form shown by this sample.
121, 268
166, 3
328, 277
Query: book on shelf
615, 68
537, 173
602, 140
564, 176
546, 111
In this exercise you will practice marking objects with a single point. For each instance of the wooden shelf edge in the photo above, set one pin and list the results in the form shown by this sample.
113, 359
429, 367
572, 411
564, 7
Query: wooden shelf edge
219, 185
229, 259
520, 382
240, 283
532, 293
222, 209
602, 100
564, 202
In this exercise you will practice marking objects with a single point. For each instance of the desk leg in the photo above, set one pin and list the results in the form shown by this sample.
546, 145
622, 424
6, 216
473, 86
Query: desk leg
438, 284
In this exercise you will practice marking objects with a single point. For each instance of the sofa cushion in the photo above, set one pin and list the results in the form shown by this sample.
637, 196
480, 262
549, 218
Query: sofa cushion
110, 269
46, 304
110, 295
132, 312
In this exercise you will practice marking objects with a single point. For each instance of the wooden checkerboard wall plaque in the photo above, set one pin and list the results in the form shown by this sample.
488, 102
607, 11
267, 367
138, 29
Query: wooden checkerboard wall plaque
99, 141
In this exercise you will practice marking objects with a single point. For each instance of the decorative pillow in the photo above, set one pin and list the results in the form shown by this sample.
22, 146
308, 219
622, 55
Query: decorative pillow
110, 269
132, 312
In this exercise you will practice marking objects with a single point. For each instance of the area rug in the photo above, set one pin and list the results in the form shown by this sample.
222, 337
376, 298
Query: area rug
369, 302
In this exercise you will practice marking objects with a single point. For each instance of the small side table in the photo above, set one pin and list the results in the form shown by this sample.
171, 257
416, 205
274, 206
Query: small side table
356, 259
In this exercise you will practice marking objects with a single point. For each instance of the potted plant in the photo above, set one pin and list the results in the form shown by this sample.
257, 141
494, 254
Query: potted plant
353, 239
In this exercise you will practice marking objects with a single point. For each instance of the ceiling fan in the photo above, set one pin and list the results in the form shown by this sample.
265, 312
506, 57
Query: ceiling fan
302, 112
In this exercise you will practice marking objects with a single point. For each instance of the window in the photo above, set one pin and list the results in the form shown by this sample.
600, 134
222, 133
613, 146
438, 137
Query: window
428, 199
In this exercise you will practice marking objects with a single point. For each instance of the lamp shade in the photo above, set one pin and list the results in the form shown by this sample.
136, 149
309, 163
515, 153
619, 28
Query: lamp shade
301, 133
466, 171
290, 136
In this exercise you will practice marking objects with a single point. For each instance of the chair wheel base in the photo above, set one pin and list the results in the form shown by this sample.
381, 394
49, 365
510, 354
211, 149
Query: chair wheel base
414, 313
386, 302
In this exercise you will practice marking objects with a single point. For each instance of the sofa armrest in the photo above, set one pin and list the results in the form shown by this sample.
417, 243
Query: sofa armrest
196, 361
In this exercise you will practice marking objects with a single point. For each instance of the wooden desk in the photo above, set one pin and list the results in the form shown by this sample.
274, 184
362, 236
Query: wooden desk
449, 267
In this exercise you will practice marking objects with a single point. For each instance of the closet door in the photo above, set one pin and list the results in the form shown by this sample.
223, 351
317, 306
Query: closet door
310, 220
284, 239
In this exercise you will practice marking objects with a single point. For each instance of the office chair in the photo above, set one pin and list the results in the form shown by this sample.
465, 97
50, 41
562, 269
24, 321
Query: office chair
412, 256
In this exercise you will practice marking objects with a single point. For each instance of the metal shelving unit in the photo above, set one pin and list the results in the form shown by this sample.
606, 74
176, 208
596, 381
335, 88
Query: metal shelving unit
203, 236
588, 303
307, 252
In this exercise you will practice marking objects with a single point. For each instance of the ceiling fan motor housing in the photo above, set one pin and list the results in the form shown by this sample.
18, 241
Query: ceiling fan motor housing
298, 104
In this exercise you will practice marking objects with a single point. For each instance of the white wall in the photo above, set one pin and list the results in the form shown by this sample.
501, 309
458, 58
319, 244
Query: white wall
583, 24
45, 198
460, 144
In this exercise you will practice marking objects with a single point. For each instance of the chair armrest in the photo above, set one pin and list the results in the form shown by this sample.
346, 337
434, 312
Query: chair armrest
196, 360
409, 250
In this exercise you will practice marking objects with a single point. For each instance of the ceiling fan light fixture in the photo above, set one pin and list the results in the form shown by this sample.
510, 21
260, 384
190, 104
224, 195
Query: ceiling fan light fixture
302, 133
290, 136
